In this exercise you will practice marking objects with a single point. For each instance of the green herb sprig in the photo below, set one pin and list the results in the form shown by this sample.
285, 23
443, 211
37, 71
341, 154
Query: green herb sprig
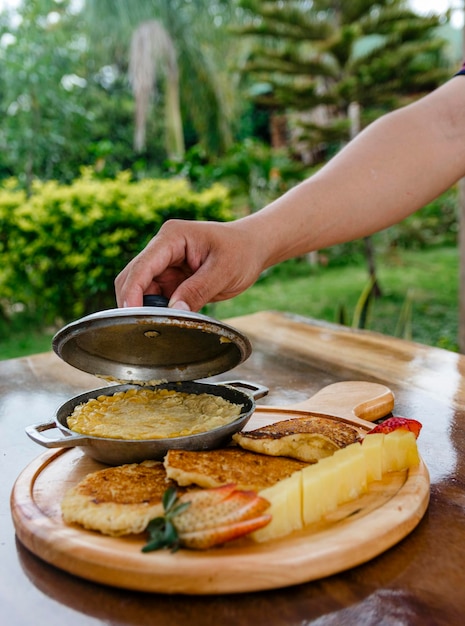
162, 531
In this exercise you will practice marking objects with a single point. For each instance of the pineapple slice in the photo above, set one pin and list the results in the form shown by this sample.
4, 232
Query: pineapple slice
399, 451
333, 481
372, 448
352, 472
318, 489
286, 508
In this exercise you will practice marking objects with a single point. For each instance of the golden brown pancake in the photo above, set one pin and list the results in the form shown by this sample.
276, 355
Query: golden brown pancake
308, 438
117, 500
212, 468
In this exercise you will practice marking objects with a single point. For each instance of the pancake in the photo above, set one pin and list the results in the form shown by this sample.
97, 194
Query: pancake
308, 438
117, 500
213, 468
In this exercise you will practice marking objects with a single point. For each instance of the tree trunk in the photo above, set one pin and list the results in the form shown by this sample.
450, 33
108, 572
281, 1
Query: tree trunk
370, 259
278, 130
174, 131
461, 337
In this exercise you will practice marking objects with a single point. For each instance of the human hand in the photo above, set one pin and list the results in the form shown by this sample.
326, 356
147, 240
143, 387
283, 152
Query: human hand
191, 263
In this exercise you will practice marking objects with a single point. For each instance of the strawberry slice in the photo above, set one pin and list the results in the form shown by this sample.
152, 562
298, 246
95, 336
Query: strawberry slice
220, 506
215, 536
396, 423
204, 518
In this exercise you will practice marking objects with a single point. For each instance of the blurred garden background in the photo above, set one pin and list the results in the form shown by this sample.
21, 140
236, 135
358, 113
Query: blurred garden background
117, 115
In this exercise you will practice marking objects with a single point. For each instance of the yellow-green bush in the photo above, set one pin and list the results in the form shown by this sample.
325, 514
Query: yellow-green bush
61, 248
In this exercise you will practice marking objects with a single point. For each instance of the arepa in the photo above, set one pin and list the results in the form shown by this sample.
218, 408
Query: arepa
117, 500
308, 438
213, 468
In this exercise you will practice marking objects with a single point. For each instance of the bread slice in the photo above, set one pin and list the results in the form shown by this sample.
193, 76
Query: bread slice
212, 468
117, 500
308, 438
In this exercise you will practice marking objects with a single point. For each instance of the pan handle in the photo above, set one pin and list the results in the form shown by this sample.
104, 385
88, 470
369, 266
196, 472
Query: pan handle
255, 390
35, 433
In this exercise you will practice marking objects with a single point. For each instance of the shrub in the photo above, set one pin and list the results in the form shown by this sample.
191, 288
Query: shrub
61, 248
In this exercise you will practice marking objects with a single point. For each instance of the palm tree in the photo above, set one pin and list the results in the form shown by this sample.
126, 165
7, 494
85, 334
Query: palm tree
152, 48
174, 50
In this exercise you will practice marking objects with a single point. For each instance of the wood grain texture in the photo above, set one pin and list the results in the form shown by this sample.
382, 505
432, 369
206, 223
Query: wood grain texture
355, 533
356, 401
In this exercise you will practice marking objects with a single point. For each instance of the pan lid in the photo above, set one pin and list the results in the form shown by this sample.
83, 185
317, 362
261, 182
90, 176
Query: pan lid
151, 343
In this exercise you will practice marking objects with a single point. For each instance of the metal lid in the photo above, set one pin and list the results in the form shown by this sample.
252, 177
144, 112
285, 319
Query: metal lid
151, 343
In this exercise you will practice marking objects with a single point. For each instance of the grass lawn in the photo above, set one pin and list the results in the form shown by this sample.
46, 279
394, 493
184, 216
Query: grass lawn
23, 343
426, 281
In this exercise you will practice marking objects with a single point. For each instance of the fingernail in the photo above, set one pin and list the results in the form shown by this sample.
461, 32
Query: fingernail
125, 304
180, 305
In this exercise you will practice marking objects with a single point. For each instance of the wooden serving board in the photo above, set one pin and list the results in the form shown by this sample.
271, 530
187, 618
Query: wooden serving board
355, 533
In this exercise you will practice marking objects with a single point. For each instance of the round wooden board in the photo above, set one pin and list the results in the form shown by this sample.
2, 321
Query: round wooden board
354, 534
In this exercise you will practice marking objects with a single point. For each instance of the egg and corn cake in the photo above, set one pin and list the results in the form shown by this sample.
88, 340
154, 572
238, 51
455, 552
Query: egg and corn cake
152, 414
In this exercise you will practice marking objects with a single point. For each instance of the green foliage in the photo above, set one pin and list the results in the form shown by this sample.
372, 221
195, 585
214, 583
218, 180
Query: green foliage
62, 105
61, 248
363, 307
316, 58
65, 100
416, 302
36, 110
199, 31
254, 173
362, 314
23, 338
404, 323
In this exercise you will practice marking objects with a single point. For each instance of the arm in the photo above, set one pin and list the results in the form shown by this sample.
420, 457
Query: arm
395, 166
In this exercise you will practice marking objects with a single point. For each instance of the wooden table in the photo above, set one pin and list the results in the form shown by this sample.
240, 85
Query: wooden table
419, 581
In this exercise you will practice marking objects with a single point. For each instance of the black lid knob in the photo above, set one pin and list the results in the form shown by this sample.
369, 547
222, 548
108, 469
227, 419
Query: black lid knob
155, 300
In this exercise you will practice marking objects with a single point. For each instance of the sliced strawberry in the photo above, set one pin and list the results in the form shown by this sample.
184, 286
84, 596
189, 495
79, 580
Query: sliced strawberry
210, 537
395, 423
204, 518
211, 508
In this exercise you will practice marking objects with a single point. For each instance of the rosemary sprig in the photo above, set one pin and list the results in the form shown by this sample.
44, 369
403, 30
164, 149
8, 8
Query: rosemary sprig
162, 530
